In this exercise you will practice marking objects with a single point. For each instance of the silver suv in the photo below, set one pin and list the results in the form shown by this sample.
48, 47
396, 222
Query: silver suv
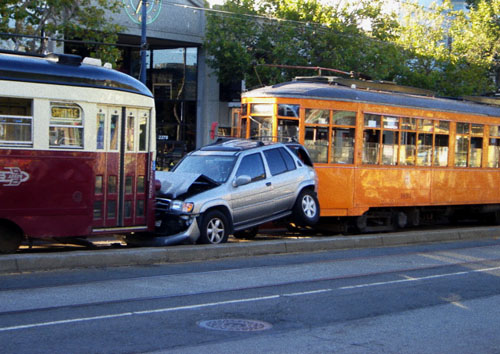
231, 187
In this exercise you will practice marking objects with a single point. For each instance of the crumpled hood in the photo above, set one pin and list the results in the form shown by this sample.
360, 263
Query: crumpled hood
175, 183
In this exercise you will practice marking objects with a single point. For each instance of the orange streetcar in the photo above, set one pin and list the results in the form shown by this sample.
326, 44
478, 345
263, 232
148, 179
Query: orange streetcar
386, 156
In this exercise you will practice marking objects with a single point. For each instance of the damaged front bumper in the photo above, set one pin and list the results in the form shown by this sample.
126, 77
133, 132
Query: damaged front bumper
171, 228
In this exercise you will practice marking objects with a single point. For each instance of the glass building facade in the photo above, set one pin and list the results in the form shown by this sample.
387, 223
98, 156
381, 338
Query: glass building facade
172, 78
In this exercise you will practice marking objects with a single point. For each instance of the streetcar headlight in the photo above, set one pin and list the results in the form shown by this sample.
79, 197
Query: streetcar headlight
185, 207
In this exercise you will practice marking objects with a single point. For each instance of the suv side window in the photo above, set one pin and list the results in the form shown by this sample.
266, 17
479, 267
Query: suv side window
290, 164
253, 166
275, 161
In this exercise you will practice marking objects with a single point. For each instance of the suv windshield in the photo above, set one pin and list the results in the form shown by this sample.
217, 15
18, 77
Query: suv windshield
215, 167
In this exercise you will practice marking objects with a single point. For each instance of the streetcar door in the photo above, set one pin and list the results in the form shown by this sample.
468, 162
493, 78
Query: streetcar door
122, 167
135, 156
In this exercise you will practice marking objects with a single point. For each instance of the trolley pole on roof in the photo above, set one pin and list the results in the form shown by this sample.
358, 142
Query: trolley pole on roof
143, 40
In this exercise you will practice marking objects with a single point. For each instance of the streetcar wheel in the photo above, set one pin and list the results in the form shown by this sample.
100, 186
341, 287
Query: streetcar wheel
361, 223
400, 220
10, 239
306, 209
247, 234
414, 217
214, 228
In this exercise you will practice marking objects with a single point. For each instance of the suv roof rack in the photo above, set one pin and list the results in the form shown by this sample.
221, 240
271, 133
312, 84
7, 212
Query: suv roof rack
233, 144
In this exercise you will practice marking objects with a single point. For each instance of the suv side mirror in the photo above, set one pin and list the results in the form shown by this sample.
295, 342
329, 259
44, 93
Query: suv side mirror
242, 180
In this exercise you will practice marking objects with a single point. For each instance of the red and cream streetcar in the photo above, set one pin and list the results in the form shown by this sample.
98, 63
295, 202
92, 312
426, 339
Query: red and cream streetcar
77, 149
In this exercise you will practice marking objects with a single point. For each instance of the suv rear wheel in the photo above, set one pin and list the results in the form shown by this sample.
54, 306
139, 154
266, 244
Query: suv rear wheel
214, 228
306, 209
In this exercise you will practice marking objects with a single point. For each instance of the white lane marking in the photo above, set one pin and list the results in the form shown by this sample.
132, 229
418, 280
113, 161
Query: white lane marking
308, 292
237, 301
145, 312
407, 280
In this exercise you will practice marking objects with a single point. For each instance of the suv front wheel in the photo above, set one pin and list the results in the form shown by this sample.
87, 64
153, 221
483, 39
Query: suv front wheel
214, 227
306, 209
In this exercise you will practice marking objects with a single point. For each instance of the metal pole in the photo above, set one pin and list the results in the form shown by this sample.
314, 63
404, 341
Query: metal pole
143, 40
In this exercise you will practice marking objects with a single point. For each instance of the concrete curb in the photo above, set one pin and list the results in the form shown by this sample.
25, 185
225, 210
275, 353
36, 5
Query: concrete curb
18, 263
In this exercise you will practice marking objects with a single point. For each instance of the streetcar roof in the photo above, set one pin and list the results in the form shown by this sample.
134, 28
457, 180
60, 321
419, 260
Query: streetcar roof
55, 70
325, 91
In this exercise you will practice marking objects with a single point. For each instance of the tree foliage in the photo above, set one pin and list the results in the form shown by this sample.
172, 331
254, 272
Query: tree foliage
86, 20
450, 52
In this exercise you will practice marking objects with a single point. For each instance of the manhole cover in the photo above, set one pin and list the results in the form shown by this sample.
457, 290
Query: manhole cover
235, 325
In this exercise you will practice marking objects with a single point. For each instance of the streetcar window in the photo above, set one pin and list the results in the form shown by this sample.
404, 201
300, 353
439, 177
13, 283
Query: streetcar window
141, 186
15, 121
66, 125
288, 130
261, 127
424, 149
316, 142
342, 145
344, 118
391, 122
243, 129
98, 210
389, 147
112, 184
139, 211
408, 151
462, 128
114, 128
111, 209
461, 148
425, 125
371, 145
130, 133
372, 121
441, 144
371, 139
101, 118
494, 147
98, 185
409, 123
476, 151
244, 109
477, 129
143, 132
261, 108
288, 110
469, 145
442, 127
317, 116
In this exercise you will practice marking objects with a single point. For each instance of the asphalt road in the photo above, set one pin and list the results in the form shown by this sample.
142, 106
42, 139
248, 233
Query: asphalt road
435, 298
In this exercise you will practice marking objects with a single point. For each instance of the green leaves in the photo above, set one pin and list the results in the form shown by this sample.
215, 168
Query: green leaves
451, 52
84, 20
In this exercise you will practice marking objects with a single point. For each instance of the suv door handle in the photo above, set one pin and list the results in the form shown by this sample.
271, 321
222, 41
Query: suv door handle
268, 184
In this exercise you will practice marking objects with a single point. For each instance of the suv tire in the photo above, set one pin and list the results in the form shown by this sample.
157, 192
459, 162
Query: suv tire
306, 209
214, 228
